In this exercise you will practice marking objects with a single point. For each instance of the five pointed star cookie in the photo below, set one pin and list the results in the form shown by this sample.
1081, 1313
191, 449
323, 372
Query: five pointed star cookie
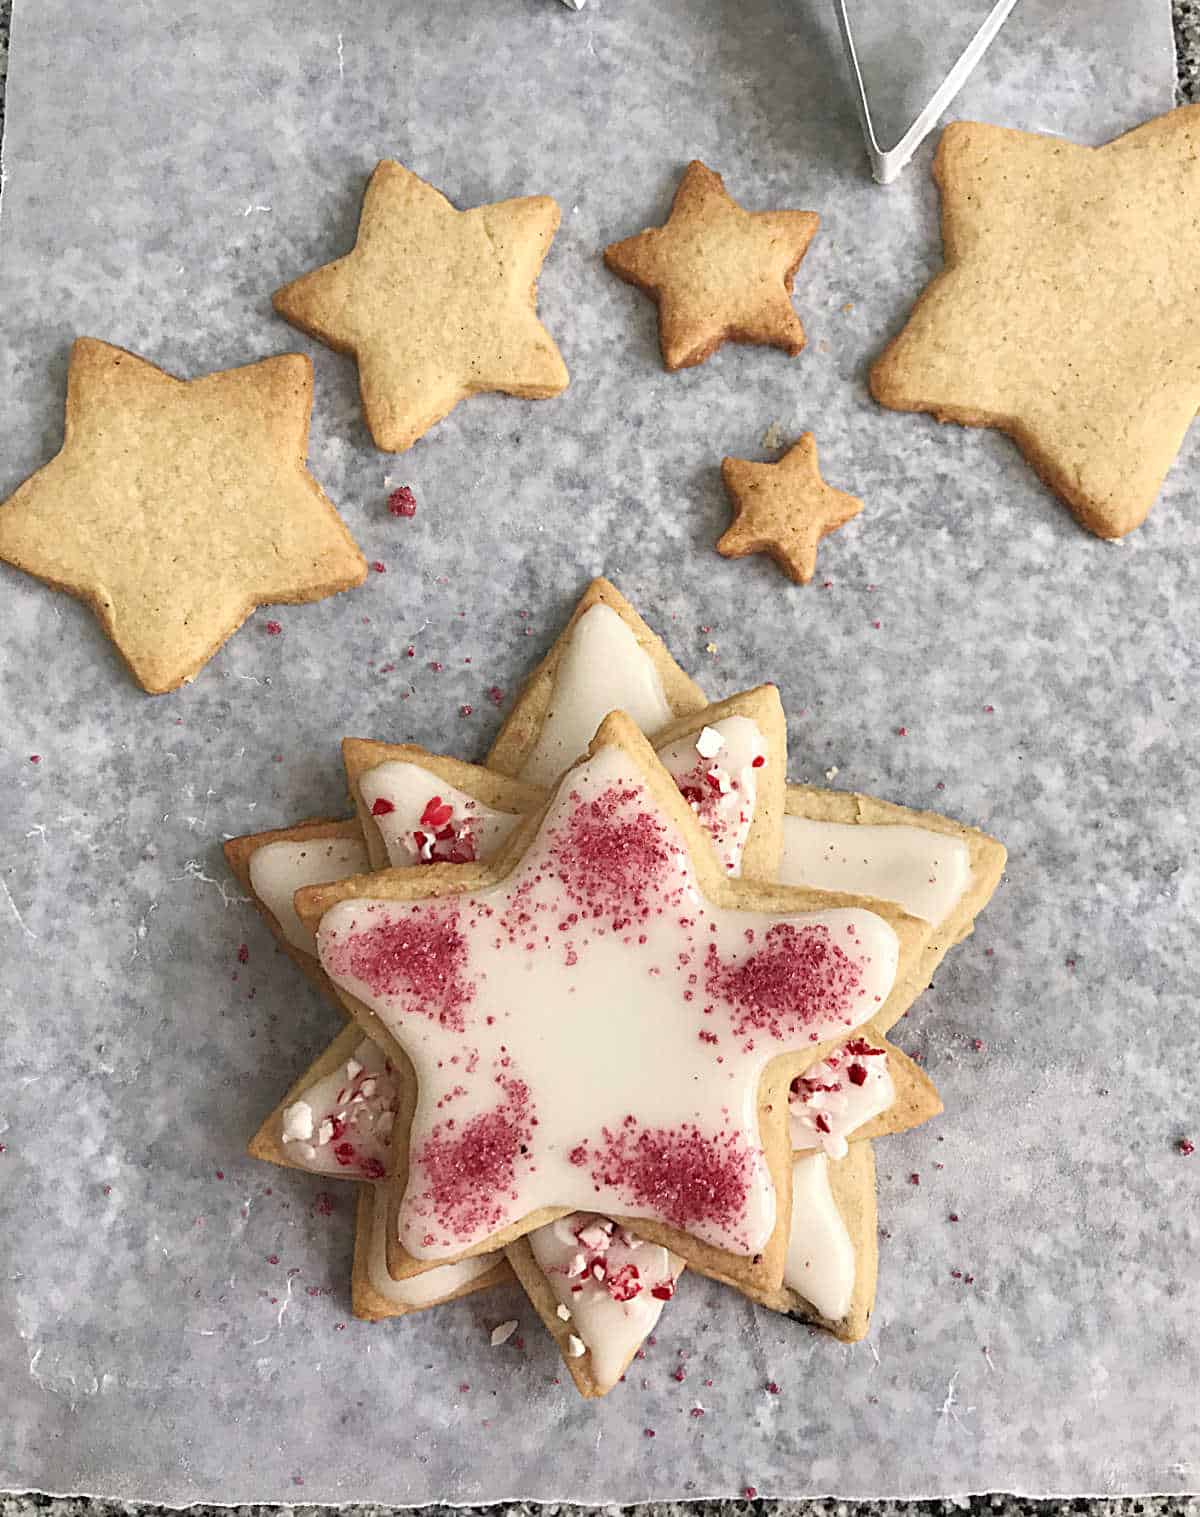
435, 304
783, 509
490, 977
719, 273
1068, 310
176, 507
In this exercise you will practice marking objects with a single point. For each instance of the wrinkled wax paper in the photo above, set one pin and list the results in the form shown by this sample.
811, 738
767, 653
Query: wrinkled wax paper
167, 167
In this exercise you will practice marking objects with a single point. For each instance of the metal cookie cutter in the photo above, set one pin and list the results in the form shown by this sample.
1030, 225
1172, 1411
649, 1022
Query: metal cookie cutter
886, 163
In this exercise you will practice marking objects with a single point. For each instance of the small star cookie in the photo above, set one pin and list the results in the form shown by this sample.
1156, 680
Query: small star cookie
434, 304
175, 507
719, 273
783, 509
1066, 313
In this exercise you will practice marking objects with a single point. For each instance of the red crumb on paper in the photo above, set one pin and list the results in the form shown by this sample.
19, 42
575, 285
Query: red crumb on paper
379, 566
465, 710
243, 954
35, 758
1186, 1147
402, 502
914, 1178
495, 695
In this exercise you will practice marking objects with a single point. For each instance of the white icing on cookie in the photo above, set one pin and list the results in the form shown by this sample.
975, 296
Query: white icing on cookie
924, 872
716, 770
603, 668
504, 997
419, 1290
611, 1284
424, 820
342, 1124
278, 870
820, 1264
834, 1098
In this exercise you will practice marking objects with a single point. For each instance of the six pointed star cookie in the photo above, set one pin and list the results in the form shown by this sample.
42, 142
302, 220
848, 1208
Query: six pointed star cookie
1068, 310
435, 304
783, 509
176, 507
719, 273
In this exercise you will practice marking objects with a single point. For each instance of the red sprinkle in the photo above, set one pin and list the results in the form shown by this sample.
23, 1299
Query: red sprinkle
272, 1258
953, 1216
496, 695
799, 976
273, 629
772, 1388
989, 710
1186, 1147
243, 954
901, 731
220, 1174
402, 502
465, 710
914, 1179
382, 807
680, 1375
757, 761
648, 1432
35, 758
380, 568
856, 1074
750, 1492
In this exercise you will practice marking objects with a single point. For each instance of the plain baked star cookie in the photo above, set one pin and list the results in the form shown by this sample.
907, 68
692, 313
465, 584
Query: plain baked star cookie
783, 509
435, 304
176, 507
1068, 310
719, 273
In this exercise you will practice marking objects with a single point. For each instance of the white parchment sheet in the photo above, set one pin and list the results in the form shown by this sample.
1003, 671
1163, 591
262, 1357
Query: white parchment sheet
168, 165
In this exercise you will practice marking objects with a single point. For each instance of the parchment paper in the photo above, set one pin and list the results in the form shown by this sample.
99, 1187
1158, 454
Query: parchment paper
167, 167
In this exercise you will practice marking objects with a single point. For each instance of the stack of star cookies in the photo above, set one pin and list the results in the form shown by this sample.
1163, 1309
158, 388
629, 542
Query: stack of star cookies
618, 1002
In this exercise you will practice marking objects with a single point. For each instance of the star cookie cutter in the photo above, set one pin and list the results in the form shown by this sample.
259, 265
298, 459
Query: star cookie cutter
887, 163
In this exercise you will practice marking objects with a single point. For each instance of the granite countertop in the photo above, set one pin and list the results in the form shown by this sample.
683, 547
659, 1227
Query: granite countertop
1187, 24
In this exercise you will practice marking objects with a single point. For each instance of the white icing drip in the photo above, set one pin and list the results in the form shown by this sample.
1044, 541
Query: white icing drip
547, 1003
834, 1098
603, 668
820, 1264
278, 870
477, 830
720, 784
342, 1123
610, 1315
924, 872
419, 1290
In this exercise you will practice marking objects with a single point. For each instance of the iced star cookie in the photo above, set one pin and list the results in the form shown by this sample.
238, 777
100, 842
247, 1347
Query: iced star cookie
271, 867
605, 659
176, 507
375, 1295
616, 877
718, 273
434, 304
1066, 313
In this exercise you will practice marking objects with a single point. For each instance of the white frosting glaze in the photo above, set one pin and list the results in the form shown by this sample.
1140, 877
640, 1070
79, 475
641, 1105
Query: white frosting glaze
278, 870
820, 1262
832, 1099
419, 1290
342, 1123
603, 668
924, 872
503, 998
611, 1284
716, 771
429, 820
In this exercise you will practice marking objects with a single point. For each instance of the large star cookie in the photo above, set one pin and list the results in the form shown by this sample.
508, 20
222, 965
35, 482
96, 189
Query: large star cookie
1068, 310
783, 509
435, 304
176, 507
719, 273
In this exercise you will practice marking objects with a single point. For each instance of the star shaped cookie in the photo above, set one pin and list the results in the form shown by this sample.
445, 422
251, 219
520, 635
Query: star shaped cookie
434, 304
176, 507
783, 509
1068, 310
718, 273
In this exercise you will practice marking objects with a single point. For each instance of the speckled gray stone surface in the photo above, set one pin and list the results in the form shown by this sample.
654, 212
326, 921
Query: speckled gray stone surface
147, 1346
